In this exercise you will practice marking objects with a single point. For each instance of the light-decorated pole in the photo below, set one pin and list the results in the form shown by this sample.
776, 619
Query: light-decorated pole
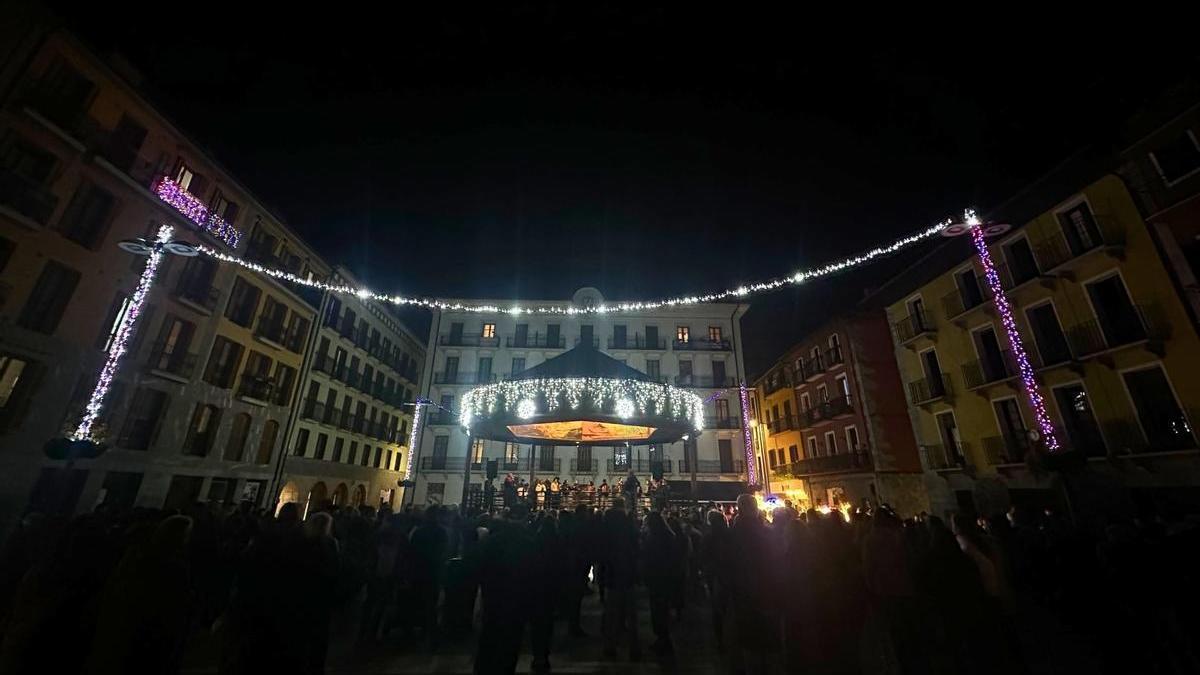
979, 232
83, 441
747, 439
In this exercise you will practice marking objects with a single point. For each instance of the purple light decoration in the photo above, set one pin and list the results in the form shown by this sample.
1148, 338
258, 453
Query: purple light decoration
1028, 381
122, 336
751, 466
195, 210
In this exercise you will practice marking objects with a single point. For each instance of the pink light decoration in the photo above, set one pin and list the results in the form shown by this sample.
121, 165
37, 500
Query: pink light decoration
751, 465
122, 336
1028, 381
196, 211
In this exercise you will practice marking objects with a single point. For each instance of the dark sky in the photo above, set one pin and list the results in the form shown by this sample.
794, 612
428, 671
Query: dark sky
528, 150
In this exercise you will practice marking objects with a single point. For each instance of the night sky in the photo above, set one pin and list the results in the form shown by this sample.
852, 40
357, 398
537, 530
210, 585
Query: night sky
529, 150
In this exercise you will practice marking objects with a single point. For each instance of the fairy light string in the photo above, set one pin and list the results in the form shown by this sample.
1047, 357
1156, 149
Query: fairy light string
518, 309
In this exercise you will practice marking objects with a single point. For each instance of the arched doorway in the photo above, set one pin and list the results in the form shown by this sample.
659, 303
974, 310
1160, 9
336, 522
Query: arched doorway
340, 494
289, 493
317, 497
360, 495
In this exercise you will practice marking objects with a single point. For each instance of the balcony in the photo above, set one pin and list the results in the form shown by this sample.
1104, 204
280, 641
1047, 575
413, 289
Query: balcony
930, 389
714, 422
812, 368
585, 466
957, 302
834, 357
703, 345
1056, 253
713, 466
547, 465
1012, 276
442, 419
779, 379
849, 462
914, 326
825, 411
324, 364
514, 464
982, 372
1091, 338
28, 198
173, 360
637, 342
198, 291
272, 330
455, 340
464, 378
637, 465
536, 341
594, 343
782, 424
703, 381
945, 458
443, 463
314, 410
1000, 450
255, 387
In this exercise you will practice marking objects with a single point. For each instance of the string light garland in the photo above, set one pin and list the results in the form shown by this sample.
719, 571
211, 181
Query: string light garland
196, 211
751, 465
640, 306
1028, 379
619, 396
418, 415
120, 341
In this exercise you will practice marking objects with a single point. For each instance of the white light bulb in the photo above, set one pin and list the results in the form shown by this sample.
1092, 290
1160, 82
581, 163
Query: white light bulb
526, 409
624, 409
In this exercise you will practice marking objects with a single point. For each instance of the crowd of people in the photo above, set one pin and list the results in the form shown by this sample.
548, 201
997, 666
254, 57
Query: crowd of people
552, 493
790, 591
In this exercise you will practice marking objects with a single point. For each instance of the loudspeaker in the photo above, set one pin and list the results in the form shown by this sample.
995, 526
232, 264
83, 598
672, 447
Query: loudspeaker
656, 469
493, 468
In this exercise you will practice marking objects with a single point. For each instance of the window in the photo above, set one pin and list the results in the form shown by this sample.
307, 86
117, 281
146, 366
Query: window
170, 353
366, 455
1048, 335
714, 333
18, 379
379, 458
553, 335
685, 372
518, 364
831, 443
724, 454
1119, 320
916, 309
521, 335
224, 208
719, 377
1080, 229
1075, 408
451, 368
112, 321
243, 302
843, 386
236, 444
485, 369
805, 402
322, 442
793, 454
396, 463
652, 337
337, 448
653, 369
489, 331
620, 337
352, 456
255, 378
142, 420
1021, 264
266, 442
1178, 159
722, 409
86, 219
586, 335
787, 413
968, 288
184, 175
813, 450
297, 333
301, 447
682, 334
512, 453
852, 442
48, 300
822, 393
771, 458
434, 493
202, 430
477, 451
1162, 420
1014, 438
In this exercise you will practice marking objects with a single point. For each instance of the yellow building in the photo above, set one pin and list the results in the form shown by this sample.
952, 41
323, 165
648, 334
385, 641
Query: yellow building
1112, 345
777, 426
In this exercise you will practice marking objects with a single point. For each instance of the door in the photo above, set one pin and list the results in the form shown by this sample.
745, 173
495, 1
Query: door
948, 430
917, 308
1079, 420
619, 337
1119, 320
451, 369
586, 336
1012, 429
685, 372
722, 413
440, 447
485, 369
991, 360
652, 337
552, 335
1162, 420
1021, 264
718, 373
724, 454
933, 373
1048, 333
1079, 227
521, 336
968, 286
546, 458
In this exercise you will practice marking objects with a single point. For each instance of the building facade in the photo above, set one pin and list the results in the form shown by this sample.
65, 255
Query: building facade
698, 347
1108, 335
850, 439
350, 443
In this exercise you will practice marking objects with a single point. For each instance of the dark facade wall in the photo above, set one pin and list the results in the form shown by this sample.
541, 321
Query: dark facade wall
883, 393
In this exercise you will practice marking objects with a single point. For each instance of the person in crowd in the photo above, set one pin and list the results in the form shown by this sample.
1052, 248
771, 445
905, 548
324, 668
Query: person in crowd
430, 548
661, 569
750, 577
630, 488
555, 493
603, 491
619, 566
